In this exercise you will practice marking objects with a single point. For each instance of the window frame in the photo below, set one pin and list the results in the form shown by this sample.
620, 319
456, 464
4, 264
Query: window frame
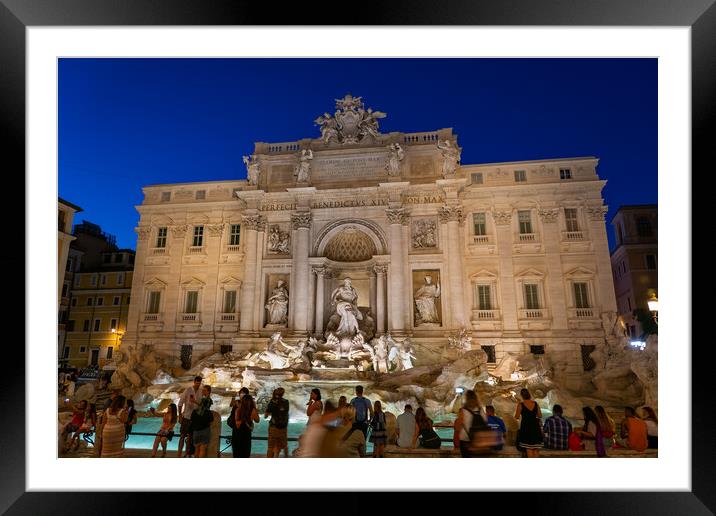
236, 234
520, 176
198, 233
529, 222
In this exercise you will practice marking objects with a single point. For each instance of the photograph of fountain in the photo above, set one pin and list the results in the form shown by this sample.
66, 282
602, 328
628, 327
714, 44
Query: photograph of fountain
406, 270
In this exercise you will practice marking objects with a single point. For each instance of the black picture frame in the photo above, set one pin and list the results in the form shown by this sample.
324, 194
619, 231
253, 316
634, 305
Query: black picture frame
700, 15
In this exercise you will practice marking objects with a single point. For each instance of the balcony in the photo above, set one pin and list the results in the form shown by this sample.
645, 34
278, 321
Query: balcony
188, 322
227, 322
486, 320
584, 318
227, 317
151, 317
151, 322
196, 249
581, 313
188, 317
481, 239
534, 319
481, 245
572, 236
159, 251
233, 248
528, 237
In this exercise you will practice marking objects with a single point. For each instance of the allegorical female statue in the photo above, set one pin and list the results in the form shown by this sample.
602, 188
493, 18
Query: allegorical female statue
252, 170
303, 167
277, 304
395, 156
345, 299
451, 157
425, 302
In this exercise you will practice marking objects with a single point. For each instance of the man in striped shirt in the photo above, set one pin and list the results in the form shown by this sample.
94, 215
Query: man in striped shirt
556, 430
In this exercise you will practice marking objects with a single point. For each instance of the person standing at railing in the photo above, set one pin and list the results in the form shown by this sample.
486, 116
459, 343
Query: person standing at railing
113, 430
278, 426
201, 419
246, 416
188, 402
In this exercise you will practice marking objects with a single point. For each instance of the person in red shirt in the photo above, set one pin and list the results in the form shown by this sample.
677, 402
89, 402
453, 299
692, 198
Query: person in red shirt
633, 431
78, 417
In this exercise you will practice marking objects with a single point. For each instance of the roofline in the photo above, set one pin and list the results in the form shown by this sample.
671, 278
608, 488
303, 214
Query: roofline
197, 183
578, 158
67, 203
627, 207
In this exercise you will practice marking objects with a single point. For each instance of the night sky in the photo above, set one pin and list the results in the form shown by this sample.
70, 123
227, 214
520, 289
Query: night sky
128, 123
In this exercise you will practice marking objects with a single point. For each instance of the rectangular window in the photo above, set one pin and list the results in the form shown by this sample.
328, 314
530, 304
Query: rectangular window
483, 297
89, 301
110, 350
153, 307
77, 280
85, 325
643, 227
525, 220
82, 349
66, 352
537, 350
580, 295
651, 261
118, 257
161, 237
235, 234
100, 301
198, 240
103, 279
107, 258
531, 297
93, 280
166, 196
96, 324
565, 173
120, 278
113, 324
192, 296
490, 352
71, 325
127, 300
115, 301
229, 301
520, 176
587, 362
570, 216
478, 221
64, 289
476, 178
74, 301
200, 194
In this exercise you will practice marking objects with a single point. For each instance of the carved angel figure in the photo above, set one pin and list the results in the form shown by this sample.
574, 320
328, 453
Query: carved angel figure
329, 129
451, 157
369, 122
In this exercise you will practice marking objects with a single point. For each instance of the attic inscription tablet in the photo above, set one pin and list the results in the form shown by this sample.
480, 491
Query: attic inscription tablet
349, 168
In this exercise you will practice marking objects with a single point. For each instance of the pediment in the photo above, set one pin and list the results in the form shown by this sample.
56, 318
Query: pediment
230, 280
193, 282
155, 282
579, 272
530, 273
484, 275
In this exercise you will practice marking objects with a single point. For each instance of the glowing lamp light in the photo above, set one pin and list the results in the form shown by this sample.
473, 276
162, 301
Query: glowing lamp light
653, 303
638, 344
459, 390
114, 330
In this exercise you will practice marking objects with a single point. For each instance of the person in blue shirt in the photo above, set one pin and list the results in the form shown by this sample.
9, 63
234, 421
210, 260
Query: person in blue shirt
364, 411
497, 424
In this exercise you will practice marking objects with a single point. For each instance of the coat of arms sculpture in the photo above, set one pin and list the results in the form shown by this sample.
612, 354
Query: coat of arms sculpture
351, 123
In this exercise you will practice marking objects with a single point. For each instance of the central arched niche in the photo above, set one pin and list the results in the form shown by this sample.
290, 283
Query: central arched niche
350, 245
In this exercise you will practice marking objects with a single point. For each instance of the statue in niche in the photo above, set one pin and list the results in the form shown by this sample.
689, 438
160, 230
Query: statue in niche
277, 304
395, 156
303, 167
424, 234
279, 241
425, 302
345, 301
451, 157
253, 170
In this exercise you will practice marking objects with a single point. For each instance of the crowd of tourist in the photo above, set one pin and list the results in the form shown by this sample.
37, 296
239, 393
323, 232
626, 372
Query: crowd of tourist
343, 430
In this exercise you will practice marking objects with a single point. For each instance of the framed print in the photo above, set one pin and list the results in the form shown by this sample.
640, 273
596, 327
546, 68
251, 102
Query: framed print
273, 230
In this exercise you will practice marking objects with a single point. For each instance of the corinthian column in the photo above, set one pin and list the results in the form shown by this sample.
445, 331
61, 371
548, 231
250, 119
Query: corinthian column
250, 225
453, 217
320, 273
302, 224
396, 218
380, 271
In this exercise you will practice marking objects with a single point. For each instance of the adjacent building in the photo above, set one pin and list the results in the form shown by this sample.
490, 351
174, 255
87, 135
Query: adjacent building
635, 261
98, 297
516, 252
65, 215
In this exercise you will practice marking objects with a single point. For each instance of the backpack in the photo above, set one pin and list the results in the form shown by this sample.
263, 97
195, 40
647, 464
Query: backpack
483, 439
279, 418
232, 418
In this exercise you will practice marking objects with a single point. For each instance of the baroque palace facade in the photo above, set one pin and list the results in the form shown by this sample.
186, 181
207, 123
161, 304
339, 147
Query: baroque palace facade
516, 253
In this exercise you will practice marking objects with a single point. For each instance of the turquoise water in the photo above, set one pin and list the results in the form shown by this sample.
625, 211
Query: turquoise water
258, 447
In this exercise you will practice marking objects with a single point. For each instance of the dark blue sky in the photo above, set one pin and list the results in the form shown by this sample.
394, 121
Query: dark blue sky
127, 123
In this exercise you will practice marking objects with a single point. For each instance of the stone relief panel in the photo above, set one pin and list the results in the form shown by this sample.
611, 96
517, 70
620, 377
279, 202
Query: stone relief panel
281, 174
427, 310
278, 241
422, 166
424, 233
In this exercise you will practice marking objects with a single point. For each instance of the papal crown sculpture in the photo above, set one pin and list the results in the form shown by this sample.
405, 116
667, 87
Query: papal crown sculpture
351, 123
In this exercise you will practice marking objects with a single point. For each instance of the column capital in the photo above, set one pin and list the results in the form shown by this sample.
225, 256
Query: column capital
597, 213
180, 230
254, 222
215, 230
549, 215
301, 219
451, 212
502, 217
320, 270
397, 215
143, 232
380, 268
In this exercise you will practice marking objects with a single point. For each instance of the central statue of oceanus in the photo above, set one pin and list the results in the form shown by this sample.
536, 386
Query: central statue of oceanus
351, 122
345, 301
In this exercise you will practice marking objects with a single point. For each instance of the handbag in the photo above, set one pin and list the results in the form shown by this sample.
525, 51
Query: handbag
575, 442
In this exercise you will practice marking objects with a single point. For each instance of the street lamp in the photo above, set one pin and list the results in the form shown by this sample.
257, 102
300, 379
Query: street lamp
653, 304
